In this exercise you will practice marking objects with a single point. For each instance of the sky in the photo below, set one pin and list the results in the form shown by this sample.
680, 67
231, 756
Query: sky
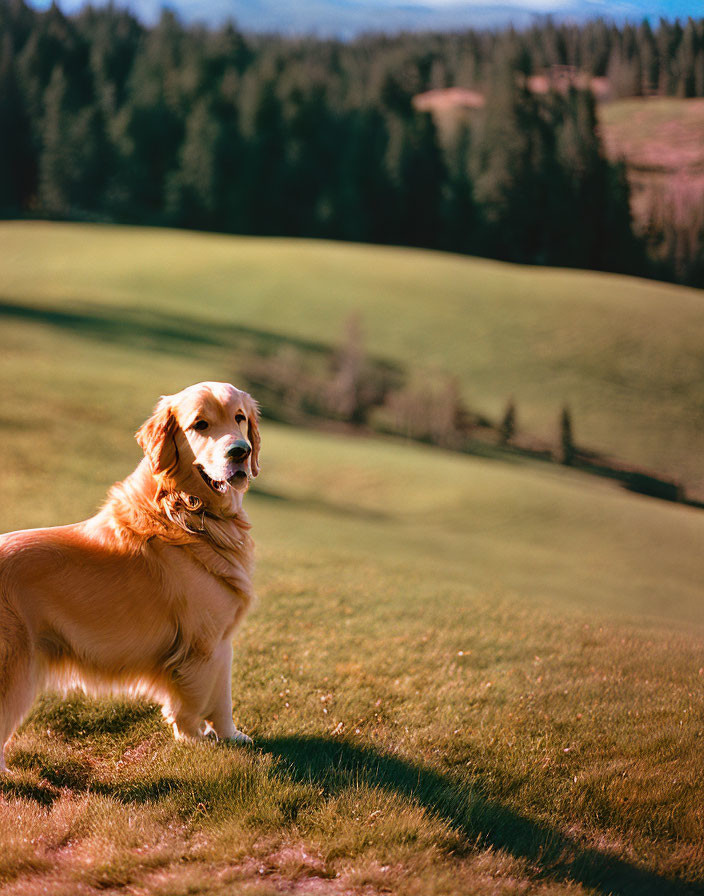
354, 15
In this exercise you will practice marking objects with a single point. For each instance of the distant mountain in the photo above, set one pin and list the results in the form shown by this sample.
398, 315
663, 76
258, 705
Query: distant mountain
347, 18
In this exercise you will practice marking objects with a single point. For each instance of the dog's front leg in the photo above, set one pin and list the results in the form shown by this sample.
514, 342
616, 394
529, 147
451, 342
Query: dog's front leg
219, 713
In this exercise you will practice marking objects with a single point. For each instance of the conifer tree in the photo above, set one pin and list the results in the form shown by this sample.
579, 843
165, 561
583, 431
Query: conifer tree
507, 429
55, 161
567, 448
17, 168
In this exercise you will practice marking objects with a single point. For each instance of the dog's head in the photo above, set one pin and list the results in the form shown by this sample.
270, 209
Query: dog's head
204, 441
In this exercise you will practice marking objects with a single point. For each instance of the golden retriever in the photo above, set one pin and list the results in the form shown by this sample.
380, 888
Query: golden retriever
145, 595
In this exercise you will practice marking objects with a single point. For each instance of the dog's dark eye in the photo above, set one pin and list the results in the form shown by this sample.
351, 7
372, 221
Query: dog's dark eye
240, 418
200, 425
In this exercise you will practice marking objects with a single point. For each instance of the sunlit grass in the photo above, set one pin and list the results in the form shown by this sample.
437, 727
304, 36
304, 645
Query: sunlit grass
463, 676
624, 353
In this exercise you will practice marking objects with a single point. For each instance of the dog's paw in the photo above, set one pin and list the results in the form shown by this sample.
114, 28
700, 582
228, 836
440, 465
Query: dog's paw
239, 738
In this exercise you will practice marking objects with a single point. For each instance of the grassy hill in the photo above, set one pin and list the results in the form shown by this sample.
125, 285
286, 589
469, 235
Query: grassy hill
624, 353
464, 675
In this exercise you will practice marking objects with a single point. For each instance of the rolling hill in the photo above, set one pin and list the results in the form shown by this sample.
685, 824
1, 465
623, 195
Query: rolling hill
624, 353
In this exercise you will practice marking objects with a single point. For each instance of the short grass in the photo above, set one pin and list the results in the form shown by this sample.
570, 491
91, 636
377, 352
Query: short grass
624, 353
464, 676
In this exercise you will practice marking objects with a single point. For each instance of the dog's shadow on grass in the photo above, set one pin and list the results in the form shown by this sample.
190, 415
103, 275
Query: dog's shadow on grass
338, 765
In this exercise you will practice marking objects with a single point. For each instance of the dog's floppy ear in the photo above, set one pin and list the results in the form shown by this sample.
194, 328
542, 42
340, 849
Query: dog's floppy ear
253, 436
156, 438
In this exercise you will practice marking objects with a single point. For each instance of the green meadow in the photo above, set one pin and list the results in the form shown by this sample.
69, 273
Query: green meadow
464, 675
624, 353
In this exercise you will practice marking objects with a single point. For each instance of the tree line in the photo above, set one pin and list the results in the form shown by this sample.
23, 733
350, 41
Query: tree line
103, 118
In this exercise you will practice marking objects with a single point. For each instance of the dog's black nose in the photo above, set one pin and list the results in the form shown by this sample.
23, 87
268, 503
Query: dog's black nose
239, 450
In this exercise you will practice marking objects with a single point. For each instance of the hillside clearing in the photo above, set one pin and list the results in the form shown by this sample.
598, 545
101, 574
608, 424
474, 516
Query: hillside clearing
661, 140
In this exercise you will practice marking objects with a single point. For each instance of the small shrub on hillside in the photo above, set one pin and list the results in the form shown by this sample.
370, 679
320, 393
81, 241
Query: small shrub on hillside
295, 384
427, 410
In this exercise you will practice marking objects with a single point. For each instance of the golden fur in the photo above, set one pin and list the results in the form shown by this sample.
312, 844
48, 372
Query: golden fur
145, 595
